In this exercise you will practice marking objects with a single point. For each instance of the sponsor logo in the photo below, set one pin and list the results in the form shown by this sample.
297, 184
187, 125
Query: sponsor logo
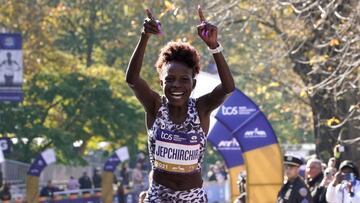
113, 159
9, 42
170, 136
229, 145
166, 136
40, 163
34, 170
255, 134
236, 110
193, 139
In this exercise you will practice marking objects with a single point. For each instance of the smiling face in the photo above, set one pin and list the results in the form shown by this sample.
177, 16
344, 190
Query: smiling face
313, 168
177, 82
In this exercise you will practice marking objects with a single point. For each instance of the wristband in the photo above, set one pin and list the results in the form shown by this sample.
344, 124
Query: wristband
216, 50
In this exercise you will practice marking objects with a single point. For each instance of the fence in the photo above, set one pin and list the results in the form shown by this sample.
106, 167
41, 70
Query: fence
14, 171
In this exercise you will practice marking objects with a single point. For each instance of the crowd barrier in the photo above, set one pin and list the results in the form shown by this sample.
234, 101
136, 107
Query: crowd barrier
217, 192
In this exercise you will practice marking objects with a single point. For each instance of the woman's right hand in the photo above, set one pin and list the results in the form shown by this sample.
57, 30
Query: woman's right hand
151, 25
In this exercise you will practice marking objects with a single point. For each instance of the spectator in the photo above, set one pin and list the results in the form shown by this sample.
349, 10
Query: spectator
313, 180
124, 174
222, 169
72, 184
332, 163
294, 189
137, 180
85, 182
345, 187
1, 178
96, 178
5, 194
121, 193
219, 175
328, 177
211, 173
48, 190
242, 188
145, 164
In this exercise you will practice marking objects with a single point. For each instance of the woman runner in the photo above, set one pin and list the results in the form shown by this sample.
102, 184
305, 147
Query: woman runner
177, 124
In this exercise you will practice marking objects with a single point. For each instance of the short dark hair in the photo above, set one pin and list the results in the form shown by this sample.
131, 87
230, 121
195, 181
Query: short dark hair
181, 52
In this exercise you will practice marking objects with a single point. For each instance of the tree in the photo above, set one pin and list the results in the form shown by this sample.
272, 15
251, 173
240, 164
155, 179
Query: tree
64, 102
61, 109
321, 40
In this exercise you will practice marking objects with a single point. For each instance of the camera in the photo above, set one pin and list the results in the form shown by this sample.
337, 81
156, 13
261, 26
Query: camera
349, 177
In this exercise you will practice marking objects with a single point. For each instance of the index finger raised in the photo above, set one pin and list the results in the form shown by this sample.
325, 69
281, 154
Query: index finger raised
149, 14
201, 15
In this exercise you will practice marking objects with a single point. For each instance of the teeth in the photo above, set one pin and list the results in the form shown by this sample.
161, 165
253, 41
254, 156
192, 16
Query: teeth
177, 93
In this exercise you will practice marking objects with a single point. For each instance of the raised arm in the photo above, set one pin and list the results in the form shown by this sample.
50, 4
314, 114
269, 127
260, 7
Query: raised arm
208, 33
16, 63
141, 89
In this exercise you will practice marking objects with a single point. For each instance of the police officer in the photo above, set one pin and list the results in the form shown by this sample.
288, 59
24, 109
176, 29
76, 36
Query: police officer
294, 190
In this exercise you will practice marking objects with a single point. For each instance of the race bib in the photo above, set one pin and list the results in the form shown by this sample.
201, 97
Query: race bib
176, 152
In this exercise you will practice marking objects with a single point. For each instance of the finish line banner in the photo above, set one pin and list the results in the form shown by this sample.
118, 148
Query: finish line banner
242, 119
11, 67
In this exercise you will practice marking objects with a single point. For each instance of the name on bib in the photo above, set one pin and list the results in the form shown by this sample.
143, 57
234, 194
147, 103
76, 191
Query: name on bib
176, 152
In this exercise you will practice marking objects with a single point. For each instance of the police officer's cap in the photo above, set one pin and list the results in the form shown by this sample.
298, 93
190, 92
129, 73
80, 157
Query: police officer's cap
292, 160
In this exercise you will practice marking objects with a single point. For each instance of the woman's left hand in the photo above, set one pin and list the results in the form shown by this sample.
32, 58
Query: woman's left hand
207, 31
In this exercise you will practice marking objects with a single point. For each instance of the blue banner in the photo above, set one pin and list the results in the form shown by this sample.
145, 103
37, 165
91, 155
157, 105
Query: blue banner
256, 133
113, 161
42, 160
11, 67
5, 144
37, 166
236, 110
246, 122
10, 41
226, 144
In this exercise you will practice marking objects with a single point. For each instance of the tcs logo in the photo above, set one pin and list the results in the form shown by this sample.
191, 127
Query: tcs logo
236, 110
166, 136
229, 110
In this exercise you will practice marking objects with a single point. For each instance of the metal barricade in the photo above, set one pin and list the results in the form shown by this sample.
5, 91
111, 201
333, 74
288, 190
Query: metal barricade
14, 171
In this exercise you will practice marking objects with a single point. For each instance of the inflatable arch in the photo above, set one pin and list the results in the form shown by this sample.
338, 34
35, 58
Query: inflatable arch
239, 119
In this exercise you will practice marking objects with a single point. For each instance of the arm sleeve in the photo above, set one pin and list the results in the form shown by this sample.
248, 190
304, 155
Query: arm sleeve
331, 193
356, 197
322, 195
